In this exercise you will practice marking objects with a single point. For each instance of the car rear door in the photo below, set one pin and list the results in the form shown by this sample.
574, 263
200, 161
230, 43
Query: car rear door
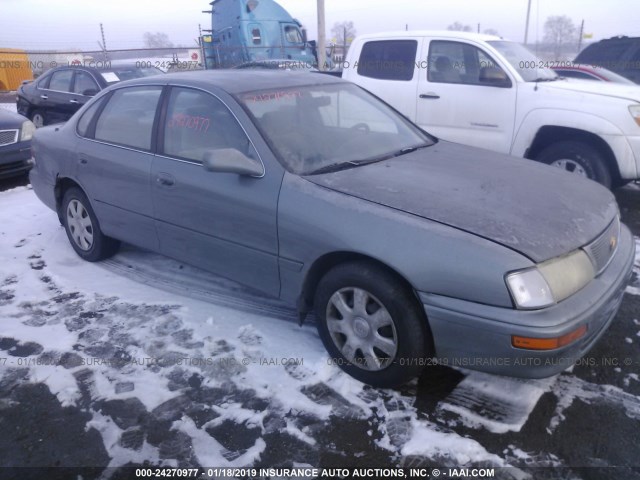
459, 98
223, 222
114, 158
59, 106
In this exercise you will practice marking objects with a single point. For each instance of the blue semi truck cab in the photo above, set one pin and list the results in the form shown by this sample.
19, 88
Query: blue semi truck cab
244, 31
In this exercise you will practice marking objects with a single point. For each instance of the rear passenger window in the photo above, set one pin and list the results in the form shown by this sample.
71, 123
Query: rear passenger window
128, 117
388, 60
198, 122
61, 81
85, 120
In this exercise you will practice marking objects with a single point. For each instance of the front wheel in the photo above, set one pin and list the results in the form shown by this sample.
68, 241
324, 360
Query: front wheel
577, 157
371, 324
83, 229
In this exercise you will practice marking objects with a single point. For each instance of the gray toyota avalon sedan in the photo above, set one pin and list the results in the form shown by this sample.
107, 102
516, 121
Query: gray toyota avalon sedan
310, 189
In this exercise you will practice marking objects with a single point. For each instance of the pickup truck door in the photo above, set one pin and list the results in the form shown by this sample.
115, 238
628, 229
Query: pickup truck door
466, 96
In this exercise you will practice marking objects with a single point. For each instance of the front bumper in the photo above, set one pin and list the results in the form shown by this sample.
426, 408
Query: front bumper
15, 159
478, 337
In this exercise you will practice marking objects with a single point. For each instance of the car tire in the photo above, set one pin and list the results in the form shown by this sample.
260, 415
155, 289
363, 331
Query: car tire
38, 118
377, 310
83, 228
578, 157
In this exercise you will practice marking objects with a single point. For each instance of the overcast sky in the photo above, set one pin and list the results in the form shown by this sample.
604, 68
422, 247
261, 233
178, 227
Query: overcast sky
64, 24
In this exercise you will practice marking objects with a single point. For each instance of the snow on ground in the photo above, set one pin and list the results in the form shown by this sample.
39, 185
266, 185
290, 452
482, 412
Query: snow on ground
179, 367
9, 106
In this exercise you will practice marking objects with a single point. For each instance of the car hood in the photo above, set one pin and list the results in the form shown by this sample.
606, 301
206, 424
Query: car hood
10, 120
609, 89
537, 210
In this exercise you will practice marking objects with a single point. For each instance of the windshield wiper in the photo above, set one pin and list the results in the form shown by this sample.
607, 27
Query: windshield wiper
334, 167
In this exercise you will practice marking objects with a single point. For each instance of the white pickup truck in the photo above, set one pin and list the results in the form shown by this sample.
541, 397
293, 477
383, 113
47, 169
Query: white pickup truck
491, 93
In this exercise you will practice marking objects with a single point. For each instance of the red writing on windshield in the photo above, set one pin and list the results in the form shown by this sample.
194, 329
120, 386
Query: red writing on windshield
272, 96
194, 122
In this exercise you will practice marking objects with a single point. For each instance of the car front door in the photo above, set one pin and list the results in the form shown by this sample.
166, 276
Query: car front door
465, 96
114, 158
223, 222
84, 87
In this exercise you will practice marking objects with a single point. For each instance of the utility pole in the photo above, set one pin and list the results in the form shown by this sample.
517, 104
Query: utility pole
322, 36
344, 44
526, 27
478, 28
104, 45
580, 37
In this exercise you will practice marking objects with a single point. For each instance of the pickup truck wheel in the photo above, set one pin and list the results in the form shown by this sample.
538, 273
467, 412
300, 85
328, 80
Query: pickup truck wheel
371, 325
38, 119
83, 229
579, 158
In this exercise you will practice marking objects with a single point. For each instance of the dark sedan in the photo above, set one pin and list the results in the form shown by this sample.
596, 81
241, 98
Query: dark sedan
591, 72
15, 144
310, 189
60, 92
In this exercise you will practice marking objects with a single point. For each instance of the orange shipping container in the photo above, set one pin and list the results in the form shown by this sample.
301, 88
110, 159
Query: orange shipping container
14, 68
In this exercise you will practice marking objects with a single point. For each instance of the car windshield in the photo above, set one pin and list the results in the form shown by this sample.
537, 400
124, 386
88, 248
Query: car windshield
120, 74
321, 128
530, 67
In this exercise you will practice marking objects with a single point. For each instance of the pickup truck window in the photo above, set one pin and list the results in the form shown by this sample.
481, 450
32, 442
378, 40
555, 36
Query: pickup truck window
457, 62
388, 60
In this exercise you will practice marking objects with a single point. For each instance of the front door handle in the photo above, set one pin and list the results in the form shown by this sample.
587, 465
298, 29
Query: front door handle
44, 97
429, 96
73, 100
165, 180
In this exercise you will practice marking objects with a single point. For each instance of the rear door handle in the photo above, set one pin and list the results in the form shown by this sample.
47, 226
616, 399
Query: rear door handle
165, 180
73, 100
83, 161
429, 96
44, 97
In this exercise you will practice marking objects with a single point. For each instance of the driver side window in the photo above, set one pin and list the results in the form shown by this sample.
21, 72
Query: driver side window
198, 122
461, 63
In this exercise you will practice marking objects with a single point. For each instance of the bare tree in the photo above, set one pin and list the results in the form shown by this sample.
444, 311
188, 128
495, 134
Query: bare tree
343, 34
157, 40
458, 27
491, 31
559, 31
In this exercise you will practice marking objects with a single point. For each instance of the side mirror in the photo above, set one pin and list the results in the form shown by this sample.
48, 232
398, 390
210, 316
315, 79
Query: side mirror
494, 77
230, 160
90, 92
304, 36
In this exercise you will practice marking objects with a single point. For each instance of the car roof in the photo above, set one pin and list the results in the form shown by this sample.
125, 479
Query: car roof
239, 81
430, 33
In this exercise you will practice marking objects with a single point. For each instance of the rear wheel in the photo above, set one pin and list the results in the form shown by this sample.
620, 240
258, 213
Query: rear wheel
578, 157
83, 229
371, 324
38, 118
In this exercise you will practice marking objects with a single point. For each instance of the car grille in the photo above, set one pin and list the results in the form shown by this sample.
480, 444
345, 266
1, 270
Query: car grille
602, 249
7, 137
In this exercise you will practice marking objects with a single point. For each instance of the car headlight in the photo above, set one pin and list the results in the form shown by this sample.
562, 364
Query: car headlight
26, 131
635, 113
551, 281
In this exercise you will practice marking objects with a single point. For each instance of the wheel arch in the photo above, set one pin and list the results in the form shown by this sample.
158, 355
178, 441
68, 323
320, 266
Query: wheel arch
550, 134
62, 185
326, 262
